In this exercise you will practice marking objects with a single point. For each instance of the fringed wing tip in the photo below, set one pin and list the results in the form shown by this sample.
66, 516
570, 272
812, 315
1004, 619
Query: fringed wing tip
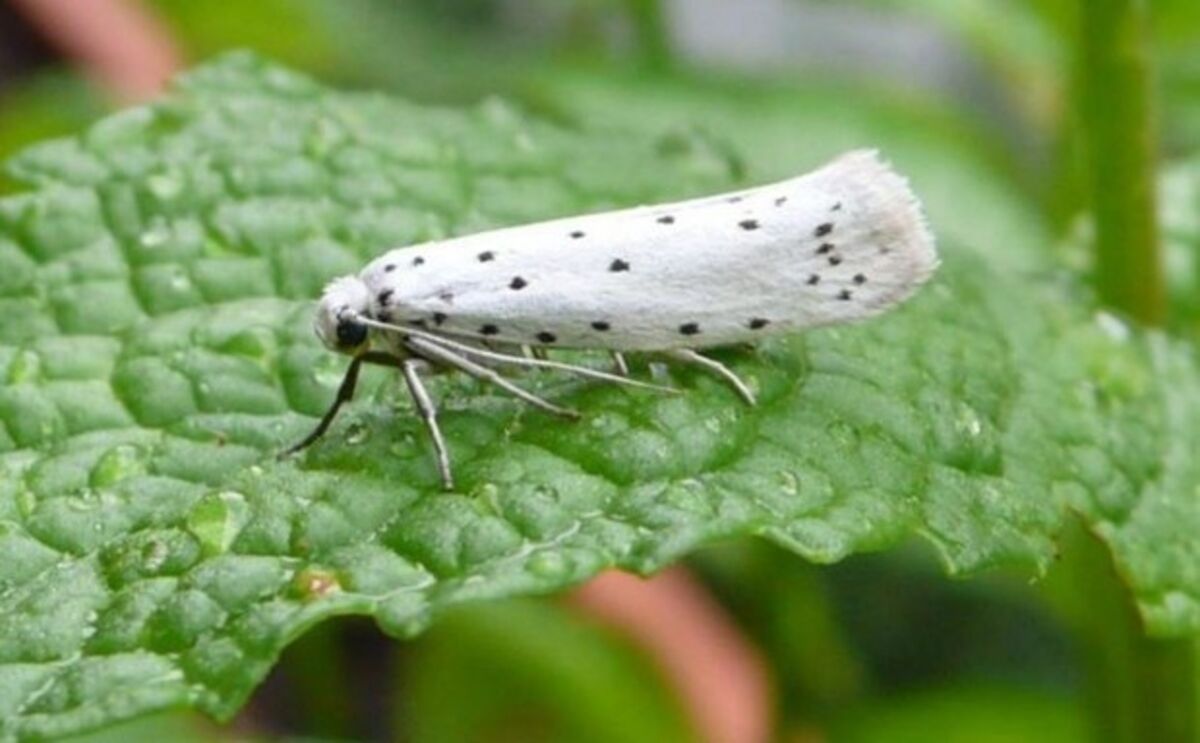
865, 172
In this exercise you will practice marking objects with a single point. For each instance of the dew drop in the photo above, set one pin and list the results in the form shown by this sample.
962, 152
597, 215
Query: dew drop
550, 565
356, 434
789, 483
968, 422
155, 236
548, 492
154, 556
118, 463
217, 519
166, 186
1113, 326
328, 371
26, 366
842, 434
89, 627
608, 424
404, 446
26, 502
85, 499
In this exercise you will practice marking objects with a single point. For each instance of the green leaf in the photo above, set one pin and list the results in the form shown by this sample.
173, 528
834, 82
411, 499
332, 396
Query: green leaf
43, 105
176, 727
969, 712
564, 679
292, 31
155, 350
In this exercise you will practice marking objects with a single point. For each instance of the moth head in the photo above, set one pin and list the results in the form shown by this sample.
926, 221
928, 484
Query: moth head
337, 321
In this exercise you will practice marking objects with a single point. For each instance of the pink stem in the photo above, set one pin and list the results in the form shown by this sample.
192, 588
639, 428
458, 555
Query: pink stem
720, 676
118, 43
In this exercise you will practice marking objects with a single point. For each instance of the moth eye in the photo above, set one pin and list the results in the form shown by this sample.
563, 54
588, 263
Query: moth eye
351, 334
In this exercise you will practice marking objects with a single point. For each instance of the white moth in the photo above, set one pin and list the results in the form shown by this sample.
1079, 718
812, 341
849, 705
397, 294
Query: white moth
843, 243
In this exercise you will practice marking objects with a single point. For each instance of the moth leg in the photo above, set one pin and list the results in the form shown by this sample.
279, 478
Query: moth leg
435, 352
716, 367
462, 349
410, 368
619, 363
583, 371
344, 395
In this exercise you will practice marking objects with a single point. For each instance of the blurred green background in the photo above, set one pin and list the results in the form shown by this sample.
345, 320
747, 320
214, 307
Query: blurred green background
975, 99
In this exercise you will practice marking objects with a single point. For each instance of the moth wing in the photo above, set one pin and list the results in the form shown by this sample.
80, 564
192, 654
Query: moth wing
837, 245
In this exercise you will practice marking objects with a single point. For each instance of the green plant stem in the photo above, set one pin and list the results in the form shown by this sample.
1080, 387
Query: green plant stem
316, 668
1116, 114
1137, 688
650, 30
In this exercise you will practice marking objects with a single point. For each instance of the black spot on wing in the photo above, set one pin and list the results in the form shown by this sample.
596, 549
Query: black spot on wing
517, 283
618, 265
757, 323
601, 325
489, 329
689, 328
749, 224
546, 337
666, 219
486, 256
823, 229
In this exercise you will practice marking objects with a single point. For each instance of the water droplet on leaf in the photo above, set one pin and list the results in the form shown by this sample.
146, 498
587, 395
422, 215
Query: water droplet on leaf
789, 482
217, 519
356, 434
549, 565
118, 463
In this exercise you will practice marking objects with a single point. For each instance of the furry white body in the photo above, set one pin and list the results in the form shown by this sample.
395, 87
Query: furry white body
840, 244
